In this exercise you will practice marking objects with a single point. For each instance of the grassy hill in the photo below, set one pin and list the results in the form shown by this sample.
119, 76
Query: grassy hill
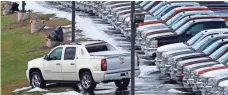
18, 46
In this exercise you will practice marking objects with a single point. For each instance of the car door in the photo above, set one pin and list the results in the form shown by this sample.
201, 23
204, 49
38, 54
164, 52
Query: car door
69, 64
52, 66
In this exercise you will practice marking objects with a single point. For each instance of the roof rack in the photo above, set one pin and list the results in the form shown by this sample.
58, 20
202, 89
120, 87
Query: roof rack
94, 40
73, 43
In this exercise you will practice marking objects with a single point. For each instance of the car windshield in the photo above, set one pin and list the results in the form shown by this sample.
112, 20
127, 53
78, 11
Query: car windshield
156, 7
223, 59
170, 21
198, 38
180, 23
182, 27
202, 43
212, 47
160, 10
194, 38
215, 55
148, 5
205, 42
143, 3
164, 17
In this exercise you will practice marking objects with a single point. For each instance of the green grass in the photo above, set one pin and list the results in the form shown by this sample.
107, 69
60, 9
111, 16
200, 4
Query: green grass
46, 16
18, 46
62, 21
5, 20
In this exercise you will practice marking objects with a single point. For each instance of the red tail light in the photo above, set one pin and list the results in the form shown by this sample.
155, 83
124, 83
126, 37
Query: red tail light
140, 24
103, 65
137, 60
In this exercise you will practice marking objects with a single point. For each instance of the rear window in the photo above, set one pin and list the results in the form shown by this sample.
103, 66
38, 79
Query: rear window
97, 48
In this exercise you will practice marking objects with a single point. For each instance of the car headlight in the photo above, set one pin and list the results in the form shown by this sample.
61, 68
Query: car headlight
179, 66
195, 77
148, 40
163, 57
226, 91
121, 19
187, 74
129, 24
170, 60
185, 71
154, 43
192, 75
159, 55
201, 79
212, 81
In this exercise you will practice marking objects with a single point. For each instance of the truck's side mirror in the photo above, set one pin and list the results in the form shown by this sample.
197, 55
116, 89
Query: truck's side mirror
46, 57
139, 17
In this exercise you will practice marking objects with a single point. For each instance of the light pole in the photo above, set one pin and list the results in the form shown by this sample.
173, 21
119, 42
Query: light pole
133, 28
73, 21
23, 6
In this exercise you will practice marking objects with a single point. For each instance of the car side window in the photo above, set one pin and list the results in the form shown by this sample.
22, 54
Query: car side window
69, 53
214, 25
56, 54
196, 28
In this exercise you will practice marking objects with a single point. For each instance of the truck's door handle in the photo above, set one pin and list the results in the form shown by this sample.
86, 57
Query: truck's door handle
72, 64
57, 63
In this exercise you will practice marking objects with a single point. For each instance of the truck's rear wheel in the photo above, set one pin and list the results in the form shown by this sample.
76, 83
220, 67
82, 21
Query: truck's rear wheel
36, 80
87, 81
122, 83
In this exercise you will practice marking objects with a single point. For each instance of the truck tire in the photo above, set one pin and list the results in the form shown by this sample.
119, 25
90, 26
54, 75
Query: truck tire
123, 83
36, 80
87, 81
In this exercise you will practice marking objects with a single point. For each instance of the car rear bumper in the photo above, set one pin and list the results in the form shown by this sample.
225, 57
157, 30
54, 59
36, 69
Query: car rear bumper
120, 75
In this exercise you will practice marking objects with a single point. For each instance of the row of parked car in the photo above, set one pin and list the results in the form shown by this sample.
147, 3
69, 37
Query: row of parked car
187, 40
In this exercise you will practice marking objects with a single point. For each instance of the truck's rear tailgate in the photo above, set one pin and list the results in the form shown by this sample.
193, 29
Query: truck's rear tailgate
117, 61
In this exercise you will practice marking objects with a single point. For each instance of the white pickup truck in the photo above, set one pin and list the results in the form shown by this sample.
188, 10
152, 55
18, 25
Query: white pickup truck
89, 63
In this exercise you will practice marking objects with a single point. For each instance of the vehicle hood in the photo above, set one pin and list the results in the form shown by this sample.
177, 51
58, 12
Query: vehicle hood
155, 31
160, 35
200, 65
215, 73
108, 53
151, 26
204, 68
171, 47
194, 60
36, 61
176, 52
186, 55
154, 21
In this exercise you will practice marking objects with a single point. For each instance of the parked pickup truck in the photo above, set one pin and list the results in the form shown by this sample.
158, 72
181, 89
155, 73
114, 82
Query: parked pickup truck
185, 45
89, 62
162, 11
198, 46
172, 21
157, 38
